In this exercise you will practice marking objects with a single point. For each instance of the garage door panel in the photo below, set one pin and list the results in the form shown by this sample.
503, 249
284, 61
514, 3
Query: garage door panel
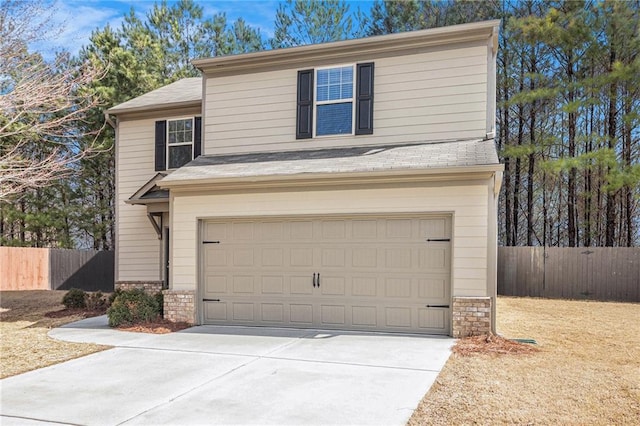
366, 316
243, 231
397, 287
301, 257
433, 318
301, 230
272, 312
272, 256
243, 311
302, 284
435, 228
215, 257
332, 315
215, 311
434, 258
362, 257
398, 317
376, 273
433, 288
301, 314
272, 284
243, 257
364, 229
215, 284
397, 258
270, 231
333, 258
364, 286
332, 286
243, 284
333, 229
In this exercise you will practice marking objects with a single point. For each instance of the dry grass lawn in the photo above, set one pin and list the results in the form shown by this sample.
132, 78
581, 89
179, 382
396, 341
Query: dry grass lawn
587, 371
24, 344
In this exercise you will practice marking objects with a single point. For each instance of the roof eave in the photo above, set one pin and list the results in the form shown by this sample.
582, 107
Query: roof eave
323, 179
344, 49
155, 107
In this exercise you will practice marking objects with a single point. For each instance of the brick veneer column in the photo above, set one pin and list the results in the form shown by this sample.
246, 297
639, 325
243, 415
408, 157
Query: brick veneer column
148, 286
471, 316
180, 306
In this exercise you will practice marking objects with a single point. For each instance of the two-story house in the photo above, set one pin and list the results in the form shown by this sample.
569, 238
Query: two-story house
348, 185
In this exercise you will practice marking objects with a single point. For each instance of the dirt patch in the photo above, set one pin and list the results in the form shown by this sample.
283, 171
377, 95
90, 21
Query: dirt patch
586, 370
491, 345
160, 326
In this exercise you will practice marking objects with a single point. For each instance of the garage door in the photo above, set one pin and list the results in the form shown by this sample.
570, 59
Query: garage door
355, 273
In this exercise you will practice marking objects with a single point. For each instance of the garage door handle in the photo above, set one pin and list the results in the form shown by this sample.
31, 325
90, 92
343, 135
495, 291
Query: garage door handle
314, 279
438, 239
438, 306
210, 300
318, 279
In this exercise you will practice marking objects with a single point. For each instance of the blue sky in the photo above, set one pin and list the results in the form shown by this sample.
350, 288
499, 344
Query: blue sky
77, 18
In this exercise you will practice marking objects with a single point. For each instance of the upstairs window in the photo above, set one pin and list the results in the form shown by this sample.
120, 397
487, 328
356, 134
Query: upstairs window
177, 142
180, 142
334, 101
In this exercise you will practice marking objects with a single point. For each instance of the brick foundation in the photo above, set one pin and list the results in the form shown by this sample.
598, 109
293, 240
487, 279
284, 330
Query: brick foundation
180, 306
471, 316
148, 286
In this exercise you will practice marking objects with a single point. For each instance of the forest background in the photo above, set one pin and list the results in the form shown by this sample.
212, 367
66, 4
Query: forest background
568, 96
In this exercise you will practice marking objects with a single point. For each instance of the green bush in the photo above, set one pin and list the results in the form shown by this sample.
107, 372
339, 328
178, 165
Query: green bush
133, 306
160, 299
75, 299
113, 296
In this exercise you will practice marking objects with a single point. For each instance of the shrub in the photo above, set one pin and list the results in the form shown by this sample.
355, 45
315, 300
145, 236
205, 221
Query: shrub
133, 306
113, 296
75, 299
160, 299
96, 301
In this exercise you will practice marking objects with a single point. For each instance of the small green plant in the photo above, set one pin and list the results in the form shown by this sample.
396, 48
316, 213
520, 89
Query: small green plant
133, 306
75, 299
96, 301
160, 299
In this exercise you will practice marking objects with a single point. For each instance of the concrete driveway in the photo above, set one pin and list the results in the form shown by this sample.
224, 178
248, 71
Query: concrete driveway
228, 375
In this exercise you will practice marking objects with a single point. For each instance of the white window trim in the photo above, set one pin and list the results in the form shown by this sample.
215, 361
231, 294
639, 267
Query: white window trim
192, 143
340, 101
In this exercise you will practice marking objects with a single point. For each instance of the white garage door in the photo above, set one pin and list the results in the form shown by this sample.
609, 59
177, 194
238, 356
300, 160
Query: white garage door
355, 273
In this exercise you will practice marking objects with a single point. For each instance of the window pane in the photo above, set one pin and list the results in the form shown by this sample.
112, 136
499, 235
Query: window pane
187, 124
172, 138
334, 93
347, 90
347, 75
172, 126
323, 77
323, 93
188, 136
334, 119
179, 156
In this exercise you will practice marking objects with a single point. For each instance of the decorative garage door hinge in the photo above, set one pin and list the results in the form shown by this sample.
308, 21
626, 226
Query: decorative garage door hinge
211, 242
438, 306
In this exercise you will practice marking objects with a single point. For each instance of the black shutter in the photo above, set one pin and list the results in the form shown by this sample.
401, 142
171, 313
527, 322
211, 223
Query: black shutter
364, 99
197, 136
161, 145
304, 118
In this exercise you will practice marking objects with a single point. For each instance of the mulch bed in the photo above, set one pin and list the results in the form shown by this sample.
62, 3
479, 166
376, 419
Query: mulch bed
67, 312
160, 326
491, 345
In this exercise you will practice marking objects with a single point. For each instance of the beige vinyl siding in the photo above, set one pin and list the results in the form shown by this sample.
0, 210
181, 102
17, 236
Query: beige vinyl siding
466, 202
438, 94
138, 248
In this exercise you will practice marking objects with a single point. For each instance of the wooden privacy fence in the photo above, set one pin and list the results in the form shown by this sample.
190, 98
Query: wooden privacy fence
23, 268
597, 273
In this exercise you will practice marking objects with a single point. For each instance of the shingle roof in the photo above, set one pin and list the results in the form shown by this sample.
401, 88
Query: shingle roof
187, 90
440, 155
